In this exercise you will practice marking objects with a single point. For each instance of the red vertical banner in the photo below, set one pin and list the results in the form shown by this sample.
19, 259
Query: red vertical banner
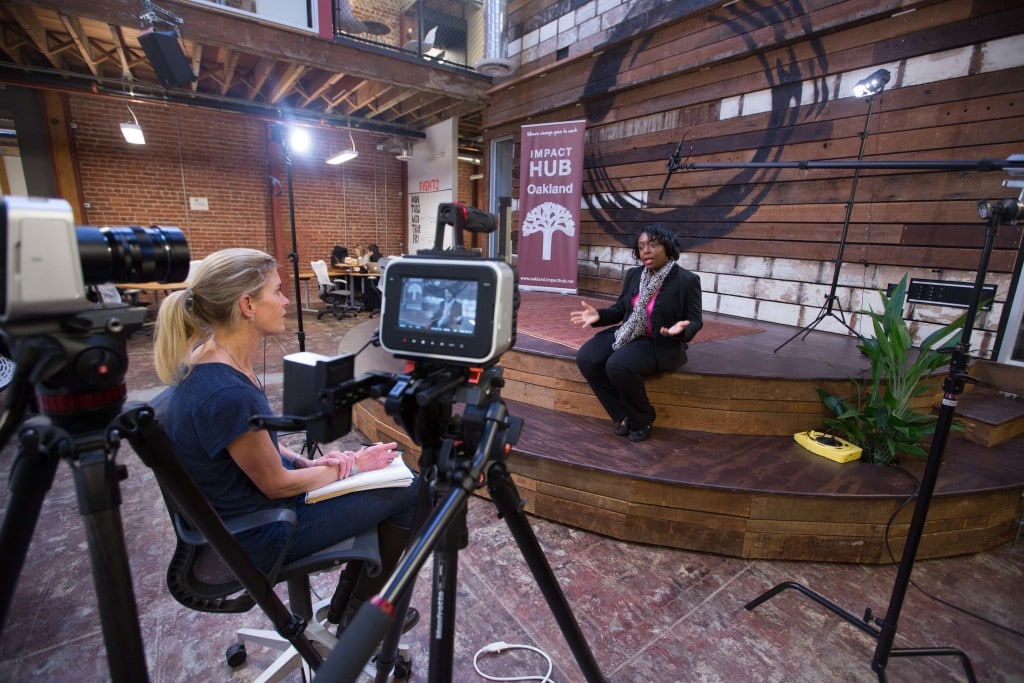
550, 178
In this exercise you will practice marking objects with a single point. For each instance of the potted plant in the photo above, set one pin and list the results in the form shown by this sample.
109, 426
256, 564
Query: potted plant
881, 418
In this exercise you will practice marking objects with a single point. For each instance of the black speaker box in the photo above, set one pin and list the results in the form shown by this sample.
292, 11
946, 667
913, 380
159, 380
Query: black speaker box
171, 65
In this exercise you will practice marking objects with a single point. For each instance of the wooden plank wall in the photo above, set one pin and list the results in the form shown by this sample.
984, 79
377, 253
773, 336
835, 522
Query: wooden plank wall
770, 81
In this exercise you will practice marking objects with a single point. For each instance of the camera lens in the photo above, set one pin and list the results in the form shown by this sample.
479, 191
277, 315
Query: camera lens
132, 254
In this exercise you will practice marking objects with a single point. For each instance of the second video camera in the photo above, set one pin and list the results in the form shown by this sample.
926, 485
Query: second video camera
450, 306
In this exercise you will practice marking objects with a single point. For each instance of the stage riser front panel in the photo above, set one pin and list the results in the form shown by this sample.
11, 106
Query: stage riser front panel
741, 523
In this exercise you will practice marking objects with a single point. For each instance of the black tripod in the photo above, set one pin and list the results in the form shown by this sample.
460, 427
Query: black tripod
81, 402
995, 213
471, 454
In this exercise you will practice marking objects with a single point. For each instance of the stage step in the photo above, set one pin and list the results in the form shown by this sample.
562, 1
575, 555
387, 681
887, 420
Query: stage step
991, 418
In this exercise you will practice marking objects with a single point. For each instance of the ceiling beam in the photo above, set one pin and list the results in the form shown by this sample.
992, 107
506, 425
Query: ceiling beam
211, 27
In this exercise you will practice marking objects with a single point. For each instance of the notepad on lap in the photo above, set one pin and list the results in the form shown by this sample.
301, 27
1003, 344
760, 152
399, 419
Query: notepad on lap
395, 475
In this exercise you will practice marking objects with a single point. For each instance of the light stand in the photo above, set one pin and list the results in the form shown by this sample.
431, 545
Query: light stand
871, 86
278, 134
995, 212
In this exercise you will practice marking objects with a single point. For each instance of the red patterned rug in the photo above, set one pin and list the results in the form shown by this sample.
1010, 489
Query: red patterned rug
545, 315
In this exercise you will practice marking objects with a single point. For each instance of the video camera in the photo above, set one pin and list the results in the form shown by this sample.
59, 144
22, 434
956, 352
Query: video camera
46, 317
48, 261
451, 309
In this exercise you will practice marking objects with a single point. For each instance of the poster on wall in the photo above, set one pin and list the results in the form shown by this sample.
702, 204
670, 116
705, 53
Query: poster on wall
432, 182
550, 174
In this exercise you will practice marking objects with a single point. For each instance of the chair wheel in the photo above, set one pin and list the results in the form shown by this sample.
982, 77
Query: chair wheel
403, 667
235, 655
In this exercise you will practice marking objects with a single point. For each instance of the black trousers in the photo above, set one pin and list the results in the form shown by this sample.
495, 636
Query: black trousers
617, 377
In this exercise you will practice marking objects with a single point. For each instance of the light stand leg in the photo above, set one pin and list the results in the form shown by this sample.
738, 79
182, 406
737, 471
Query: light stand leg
952, 388
831, 300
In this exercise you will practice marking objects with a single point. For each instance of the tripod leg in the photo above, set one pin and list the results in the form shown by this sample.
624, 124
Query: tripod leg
445, 588
506, 498
31, 477
99, 498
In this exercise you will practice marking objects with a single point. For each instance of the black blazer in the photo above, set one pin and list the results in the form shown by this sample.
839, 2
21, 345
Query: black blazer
678, 299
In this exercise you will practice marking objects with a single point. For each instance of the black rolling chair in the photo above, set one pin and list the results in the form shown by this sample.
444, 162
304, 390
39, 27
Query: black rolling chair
335, 295
199, 580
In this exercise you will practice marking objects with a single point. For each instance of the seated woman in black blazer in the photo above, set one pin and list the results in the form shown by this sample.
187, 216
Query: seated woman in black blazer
660, 312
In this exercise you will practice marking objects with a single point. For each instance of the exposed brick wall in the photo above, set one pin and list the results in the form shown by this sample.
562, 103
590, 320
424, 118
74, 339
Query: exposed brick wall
227, 158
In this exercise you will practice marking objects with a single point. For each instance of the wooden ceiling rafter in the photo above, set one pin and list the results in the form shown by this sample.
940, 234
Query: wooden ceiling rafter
238, 62
81, 41
327, 81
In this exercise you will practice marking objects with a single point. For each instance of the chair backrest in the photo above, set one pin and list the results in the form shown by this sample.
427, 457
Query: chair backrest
192, 266
198, 578
320, 270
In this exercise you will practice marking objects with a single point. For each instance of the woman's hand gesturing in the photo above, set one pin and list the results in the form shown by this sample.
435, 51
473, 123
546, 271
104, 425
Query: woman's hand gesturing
587, 315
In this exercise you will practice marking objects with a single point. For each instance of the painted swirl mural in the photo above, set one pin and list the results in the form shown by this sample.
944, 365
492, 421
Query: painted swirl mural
785, 77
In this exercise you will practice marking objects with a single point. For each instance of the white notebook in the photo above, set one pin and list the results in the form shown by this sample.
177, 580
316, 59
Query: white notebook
395, 475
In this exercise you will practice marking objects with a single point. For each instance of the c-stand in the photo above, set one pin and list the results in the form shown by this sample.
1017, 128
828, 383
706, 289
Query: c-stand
460, 454
995, 212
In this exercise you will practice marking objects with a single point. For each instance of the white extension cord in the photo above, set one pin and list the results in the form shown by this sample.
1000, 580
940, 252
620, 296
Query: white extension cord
500, 646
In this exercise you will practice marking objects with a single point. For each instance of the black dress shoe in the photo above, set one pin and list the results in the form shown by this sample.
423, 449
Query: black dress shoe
641, 434
623, 428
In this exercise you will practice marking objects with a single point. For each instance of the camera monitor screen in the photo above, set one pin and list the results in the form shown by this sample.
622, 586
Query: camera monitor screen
447, 309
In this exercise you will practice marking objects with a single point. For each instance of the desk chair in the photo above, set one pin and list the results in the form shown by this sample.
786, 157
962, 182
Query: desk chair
199, 580
335, 295
372, 295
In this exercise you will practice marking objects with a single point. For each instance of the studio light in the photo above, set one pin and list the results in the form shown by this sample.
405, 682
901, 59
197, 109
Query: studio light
871, 85
345, 154
132, 132
298, 140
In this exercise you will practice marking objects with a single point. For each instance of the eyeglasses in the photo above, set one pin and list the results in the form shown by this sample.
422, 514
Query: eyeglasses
643, 246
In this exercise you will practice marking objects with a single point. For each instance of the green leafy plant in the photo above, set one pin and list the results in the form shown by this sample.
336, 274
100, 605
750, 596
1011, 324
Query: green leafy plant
881, 418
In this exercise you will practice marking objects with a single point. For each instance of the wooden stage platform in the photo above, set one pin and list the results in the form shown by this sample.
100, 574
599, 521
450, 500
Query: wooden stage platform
721, 472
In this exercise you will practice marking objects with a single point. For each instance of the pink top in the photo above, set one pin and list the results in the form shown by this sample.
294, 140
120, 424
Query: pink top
650, 312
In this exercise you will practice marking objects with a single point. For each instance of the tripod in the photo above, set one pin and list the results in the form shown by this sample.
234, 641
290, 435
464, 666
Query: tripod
87, 434
831, 300
470, 455
885, 629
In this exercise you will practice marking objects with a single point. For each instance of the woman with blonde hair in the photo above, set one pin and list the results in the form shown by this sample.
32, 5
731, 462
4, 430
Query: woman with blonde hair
207, 337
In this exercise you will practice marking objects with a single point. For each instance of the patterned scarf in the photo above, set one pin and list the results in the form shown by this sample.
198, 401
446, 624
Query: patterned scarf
636, 324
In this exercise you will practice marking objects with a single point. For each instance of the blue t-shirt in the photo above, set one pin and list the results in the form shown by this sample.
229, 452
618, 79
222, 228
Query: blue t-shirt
205, 412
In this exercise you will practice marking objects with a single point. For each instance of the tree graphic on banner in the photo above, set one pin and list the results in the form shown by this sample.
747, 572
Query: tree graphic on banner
548, 218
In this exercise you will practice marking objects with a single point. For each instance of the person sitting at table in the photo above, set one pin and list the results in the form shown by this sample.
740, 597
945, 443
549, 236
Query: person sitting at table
338, 256
374, 252
207, 338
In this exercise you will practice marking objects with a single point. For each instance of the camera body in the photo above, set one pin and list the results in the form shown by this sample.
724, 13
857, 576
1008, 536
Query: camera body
452, 310
47, 261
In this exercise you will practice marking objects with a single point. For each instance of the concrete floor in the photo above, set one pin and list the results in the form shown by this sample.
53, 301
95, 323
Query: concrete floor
650, 614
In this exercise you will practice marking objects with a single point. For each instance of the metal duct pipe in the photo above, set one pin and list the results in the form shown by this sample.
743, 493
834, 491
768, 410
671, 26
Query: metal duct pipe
495, 62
